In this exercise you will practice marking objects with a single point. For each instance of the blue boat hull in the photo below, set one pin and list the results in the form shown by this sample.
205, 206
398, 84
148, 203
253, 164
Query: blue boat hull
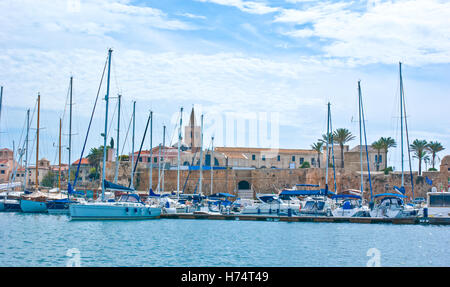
110, 212
30, 206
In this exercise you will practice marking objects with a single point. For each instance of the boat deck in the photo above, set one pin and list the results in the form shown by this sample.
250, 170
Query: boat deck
416, 220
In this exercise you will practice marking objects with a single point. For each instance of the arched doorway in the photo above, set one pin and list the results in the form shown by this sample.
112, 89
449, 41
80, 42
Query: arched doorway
244, 190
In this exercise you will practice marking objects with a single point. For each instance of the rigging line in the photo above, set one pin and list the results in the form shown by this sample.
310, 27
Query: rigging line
407, 143
126, 136
367, 152
112, 118
89, 127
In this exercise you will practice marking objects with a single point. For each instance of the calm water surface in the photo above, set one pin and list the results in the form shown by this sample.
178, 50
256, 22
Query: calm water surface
43, 240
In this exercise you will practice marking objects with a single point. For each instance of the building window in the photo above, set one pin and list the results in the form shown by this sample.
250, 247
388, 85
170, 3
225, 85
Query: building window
140, 159
253, 157
380, 158
313, 161
278, 158
263, 157
3, 172
301, 160
293, 158
155, 159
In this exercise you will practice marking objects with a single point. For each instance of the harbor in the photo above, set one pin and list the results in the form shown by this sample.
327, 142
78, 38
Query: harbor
365, 220
219, 133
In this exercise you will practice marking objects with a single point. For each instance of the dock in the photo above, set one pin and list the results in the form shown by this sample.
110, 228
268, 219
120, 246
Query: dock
371, 220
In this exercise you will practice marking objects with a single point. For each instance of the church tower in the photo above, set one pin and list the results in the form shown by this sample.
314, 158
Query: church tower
192, 135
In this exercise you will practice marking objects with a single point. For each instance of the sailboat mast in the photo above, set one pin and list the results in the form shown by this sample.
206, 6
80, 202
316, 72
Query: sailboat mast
201, 157
360, 136
26, 150
37, 141
163, 146
106, 125
151, 152
116, 173
70, 130
328, 140
159, 170
179, 144
132, 145
401, 121
59, 147
212, 164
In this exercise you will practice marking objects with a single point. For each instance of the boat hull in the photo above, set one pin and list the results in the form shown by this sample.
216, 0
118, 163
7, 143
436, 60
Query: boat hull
11, 205
112, 212
30, 206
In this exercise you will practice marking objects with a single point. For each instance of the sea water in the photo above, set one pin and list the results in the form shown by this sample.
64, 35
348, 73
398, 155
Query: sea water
55, 240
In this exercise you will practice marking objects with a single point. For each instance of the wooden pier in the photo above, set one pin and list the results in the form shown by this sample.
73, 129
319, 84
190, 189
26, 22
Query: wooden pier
415, 220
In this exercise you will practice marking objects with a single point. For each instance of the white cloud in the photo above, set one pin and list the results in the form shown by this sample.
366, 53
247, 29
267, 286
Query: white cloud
414, 31
252, 7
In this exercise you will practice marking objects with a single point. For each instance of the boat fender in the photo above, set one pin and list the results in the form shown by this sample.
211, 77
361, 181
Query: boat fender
126, 209
135, 210
149, 210
300, 207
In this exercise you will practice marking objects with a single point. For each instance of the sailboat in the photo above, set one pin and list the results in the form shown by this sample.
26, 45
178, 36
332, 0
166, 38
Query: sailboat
318, 204
129, 205
36, 201
392, 205
350, 205
10, 200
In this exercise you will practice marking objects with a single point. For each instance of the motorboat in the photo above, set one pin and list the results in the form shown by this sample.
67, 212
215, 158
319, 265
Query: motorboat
391, 205
10, 201
271, 204
349, 205
438, 204
316, 206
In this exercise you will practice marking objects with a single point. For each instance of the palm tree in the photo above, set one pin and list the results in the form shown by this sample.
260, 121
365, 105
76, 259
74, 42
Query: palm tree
387, 144
434, 148
318, 148
419, 147
326, 139
378, 145
342, 136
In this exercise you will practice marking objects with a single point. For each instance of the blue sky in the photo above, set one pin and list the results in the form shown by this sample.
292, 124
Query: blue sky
233, 59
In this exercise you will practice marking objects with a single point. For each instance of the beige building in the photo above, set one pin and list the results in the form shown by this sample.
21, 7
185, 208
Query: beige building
352, 159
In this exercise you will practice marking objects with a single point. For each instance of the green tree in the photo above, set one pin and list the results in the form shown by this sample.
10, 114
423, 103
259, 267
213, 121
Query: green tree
49, 179
387, 144
318, 147
434, 148
419, 147
378, 145
342, 136
305, 164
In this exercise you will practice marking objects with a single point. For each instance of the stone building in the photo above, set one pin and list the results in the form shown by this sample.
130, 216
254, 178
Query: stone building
352, 159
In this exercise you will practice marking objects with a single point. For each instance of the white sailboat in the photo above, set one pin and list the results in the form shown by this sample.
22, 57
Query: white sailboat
351, 205
391, 204
129, 206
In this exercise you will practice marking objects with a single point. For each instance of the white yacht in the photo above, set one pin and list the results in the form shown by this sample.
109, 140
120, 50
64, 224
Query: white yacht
129, 206
349, 205
391, 205
271, 204
438, 204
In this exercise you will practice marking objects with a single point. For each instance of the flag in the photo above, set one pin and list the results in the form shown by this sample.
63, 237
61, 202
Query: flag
429, 181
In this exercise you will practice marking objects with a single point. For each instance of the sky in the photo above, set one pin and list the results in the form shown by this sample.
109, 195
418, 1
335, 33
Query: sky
261, 72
